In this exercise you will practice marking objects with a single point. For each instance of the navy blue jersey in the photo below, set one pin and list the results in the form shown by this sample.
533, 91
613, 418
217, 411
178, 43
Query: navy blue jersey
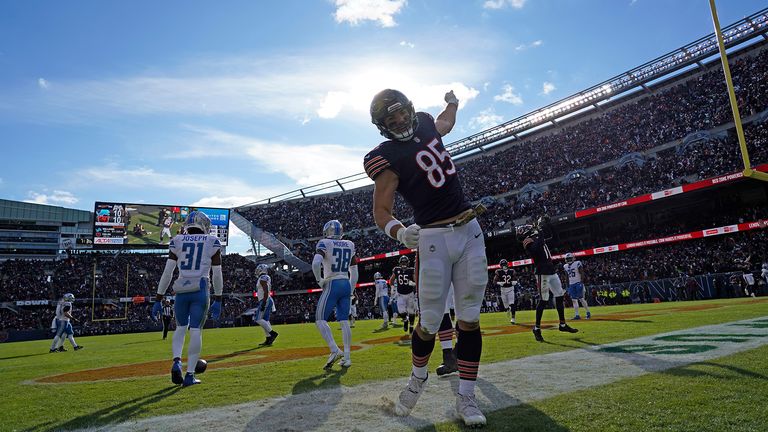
402, 278
427, 176
542, 258
505, 276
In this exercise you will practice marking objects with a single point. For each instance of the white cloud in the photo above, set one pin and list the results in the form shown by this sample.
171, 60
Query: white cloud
57, 197
535, 44
499, 4
547, 88
42, 83
485, 119
357, 11
298, 88
509, 96
407, 44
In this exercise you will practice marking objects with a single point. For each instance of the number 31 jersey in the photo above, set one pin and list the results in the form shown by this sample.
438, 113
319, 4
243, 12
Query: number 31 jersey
194, 252
427, 176
337, 257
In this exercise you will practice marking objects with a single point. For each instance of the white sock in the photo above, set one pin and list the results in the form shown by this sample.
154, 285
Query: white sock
346, 335
466, 387
178, 340
585, 304
55, 343
193, 351
325, 332
72, 340
576, 307
265, 325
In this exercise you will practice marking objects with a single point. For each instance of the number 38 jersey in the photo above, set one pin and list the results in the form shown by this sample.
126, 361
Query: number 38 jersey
194, 252
338, 256
427, 176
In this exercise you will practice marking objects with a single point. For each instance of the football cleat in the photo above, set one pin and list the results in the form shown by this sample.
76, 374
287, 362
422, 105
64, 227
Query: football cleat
61, 349
53, 350
345, 363
467, 409
576, 317
409, 396
176, 376
589, 315
449, 365
537, 334
512, 321
566, 328
190, 380
384, 326
79, 347
332, 359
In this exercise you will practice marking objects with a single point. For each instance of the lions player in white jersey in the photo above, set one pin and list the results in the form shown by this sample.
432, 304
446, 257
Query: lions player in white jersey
64, 325
196, 254
335, 268
265, 305
382, 297
575, 271
764, 274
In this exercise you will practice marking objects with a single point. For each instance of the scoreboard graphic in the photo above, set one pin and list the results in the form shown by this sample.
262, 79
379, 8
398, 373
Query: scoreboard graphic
149, 225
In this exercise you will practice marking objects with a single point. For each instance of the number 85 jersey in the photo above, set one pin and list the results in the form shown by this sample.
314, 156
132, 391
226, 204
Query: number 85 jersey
338, 256
427, 176
194, 252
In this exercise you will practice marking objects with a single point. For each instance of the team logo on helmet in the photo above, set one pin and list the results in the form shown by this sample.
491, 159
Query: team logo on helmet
197, 219
392, 112
333, 229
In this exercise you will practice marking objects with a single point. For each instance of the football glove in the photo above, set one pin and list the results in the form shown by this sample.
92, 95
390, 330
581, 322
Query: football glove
409, 236
215, 309
451, 98
156, 308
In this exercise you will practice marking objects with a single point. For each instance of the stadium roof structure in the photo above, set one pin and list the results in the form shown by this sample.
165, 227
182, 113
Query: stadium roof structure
742, 31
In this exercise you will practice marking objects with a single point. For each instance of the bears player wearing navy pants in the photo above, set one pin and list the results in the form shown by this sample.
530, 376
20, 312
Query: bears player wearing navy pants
451, 247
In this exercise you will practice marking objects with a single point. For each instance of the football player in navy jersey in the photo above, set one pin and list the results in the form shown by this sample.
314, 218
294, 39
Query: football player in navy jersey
547, 280
451, 248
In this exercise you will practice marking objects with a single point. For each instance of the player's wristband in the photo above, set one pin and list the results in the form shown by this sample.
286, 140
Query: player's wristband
388, 228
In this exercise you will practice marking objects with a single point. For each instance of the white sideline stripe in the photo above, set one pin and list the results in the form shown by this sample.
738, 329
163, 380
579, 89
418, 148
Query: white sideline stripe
500, 385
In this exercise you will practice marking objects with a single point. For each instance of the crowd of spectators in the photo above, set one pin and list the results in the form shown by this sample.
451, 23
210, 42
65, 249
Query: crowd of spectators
668, 114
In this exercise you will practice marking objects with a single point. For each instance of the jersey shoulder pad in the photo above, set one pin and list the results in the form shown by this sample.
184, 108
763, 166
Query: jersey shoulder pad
376, 161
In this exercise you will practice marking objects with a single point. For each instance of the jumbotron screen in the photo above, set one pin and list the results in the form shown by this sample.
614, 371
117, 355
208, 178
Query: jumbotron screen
147, 225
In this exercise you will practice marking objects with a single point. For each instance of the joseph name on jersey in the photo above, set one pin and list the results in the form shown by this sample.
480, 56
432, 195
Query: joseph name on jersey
337, 257
194, 252
573, 270
428, 180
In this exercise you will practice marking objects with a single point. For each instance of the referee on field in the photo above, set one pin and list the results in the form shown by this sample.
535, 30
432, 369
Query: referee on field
167, 317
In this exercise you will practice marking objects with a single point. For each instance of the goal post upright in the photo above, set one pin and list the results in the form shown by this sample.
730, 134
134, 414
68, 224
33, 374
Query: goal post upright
748, 171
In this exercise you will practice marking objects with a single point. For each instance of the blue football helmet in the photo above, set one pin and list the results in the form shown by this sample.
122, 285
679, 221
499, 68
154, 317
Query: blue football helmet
569, 257
332, 229
198, 219
377, 275
69, 297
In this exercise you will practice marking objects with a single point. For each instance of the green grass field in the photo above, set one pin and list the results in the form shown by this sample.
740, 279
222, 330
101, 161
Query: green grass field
724, 394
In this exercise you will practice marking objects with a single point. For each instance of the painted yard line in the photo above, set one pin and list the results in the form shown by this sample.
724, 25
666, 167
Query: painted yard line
504, 384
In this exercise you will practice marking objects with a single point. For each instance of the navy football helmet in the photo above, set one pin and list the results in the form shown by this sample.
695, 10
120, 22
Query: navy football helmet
503, 264
392, 112
404, 261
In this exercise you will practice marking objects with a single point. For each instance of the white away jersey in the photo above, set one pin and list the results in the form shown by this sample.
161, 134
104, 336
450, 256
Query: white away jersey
382, 288
261, 293
194, 252
574, 271
337, 257
61, 308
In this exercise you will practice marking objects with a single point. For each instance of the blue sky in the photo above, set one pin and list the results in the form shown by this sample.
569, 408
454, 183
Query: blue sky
226, 103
